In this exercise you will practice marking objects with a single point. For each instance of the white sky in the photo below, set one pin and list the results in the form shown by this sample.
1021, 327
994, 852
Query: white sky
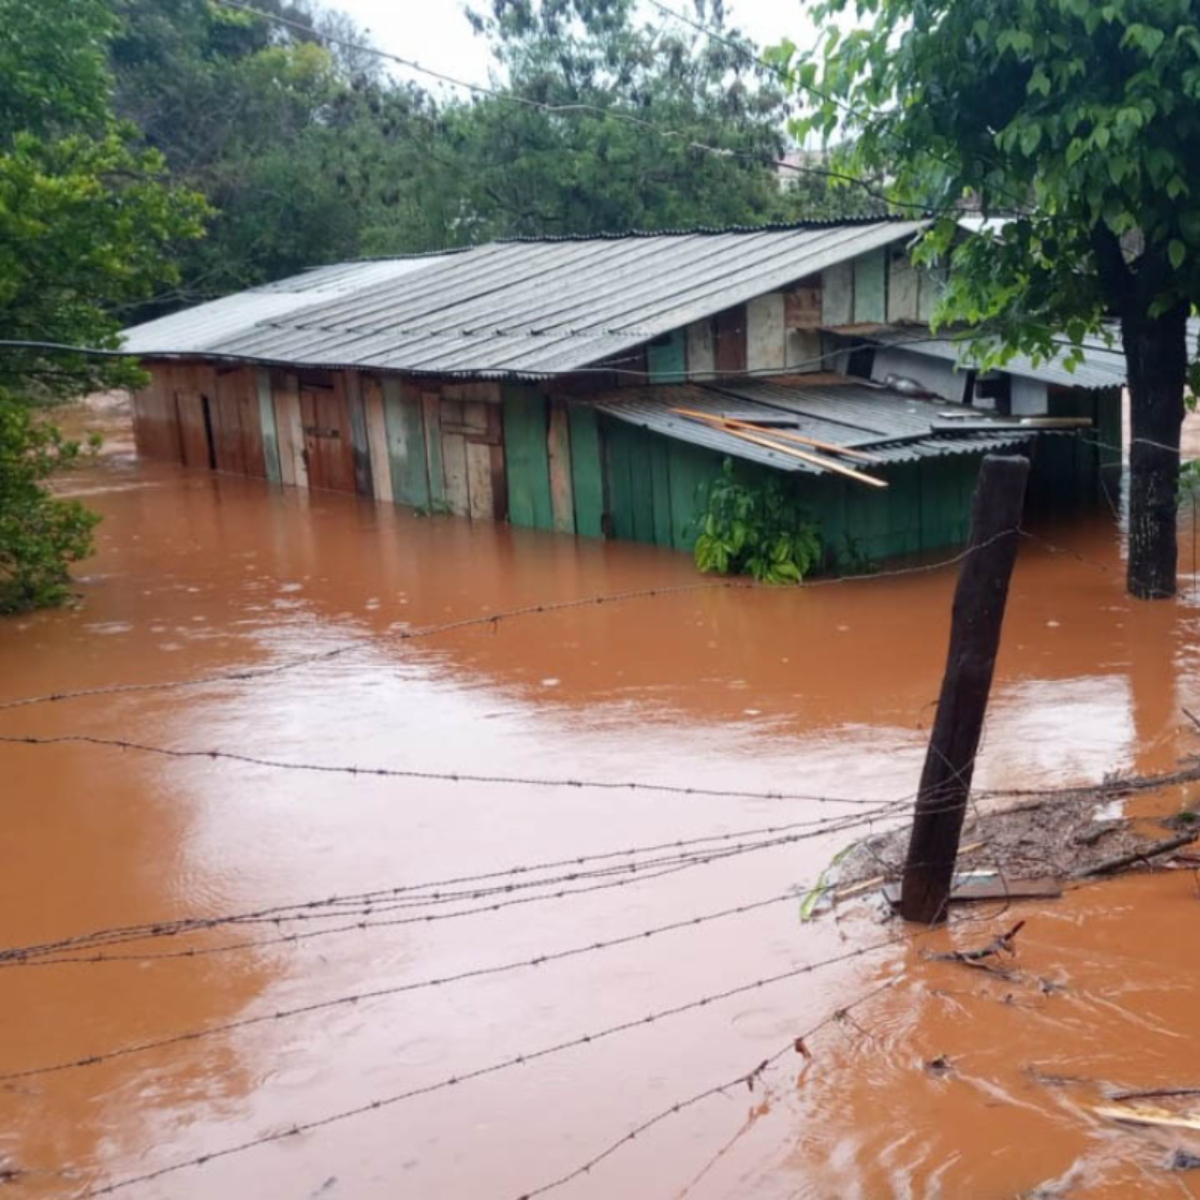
435, 32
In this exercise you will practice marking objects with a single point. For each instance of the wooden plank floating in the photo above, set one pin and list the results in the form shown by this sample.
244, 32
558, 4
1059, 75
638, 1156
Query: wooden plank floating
973, 888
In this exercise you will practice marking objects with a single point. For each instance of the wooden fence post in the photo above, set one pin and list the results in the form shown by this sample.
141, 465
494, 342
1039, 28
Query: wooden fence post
975, 625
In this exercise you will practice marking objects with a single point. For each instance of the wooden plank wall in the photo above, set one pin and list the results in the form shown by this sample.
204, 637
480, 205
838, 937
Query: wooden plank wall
169, 420
729, 341
526, 432
766, 333
870, 288
666, 357
377, 439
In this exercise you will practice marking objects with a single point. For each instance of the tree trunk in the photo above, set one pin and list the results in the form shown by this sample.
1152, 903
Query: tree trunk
1156, 357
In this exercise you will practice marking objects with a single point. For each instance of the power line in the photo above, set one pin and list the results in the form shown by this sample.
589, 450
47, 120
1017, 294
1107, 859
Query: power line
518, 1060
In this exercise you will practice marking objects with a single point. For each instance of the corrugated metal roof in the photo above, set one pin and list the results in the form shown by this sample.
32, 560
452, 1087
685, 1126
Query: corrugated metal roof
893, 428
1103, 366
533, 308
201, 329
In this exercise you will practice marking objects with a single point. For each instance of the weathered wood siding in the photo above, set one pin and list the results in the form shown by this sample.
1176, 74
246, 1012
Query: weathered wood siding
328, 441
766, 333
729, 341
870, 288
700, 349
837, 294
289, 428
377, 439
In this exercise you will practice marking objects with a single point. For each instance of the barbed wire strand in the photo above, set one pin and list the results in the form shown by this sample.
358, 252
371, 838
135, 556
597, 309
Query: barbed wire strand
504, 1064
194, 1035
37, 956
166, 927
746, 1078
428, 776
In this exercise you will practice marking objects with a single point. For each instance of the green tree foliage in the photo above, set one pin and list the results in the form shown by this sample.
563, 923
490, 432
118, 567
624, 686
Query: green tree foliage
40, 535
310, 152
603, 161
86, 225
1083, 120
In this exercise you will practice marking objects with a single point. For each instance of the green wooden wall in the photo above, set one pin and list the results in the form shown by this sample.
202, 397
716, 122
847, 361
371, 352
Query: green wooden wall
526, 425
1077, 470
666, 358
657, 488
587, 470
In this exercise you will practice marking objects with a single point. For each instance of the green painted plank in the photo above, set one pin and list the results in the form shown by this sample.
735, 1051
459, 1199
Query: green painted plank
527, 459
406, 445
870, 287
660, 485
642, 483
692, 470
270, 438
587, 470
666, 358
618, 439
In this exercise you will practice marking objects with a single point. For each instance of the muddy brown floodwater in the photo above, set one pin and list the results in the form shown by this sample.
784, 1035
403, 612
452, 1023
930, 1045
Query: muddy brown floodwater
826, 692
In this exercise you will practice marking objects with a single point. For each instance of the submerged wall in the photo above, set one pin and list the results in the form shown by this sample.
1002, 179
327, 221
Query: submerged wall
551, 461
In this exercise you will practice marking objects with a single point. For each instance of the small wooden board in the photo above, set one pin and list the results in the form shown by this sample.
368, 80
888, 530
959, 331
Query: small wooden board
993, 887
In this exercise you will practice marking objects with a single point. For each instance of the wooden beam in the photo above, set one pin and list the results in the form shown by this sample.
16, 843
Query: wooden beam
826, 464
800, 439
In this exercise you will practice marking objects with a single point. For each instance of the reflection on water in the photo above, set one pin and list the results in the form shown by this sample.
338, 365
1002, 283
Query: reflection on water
827, 691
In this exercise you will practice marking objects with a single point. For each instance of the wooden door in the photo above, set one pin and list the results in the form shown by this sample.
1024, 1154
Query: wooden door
328, 448
195, 429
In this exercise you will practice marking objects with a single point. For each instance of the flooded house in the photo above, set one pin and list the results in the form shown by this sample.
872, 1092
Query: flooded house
595, 386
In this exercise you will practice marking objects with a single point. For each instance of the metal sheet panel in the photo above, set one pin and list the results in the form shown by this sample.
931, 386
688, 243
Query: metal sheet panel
521, 308
895, 429
1103, 365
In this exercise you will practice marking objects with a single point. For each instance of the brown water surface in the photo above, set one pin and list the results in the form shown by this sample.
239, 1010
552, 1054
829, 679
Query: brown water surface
826, 691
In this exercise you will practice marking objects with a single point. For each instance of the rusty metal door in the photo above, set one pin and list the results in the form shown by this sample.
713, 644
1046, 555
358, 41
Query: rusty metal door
328, 448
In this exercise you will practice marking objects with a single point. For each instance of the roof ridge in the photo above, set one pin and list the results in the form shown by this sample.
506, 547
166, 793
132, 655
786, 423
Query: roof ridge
714, 230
